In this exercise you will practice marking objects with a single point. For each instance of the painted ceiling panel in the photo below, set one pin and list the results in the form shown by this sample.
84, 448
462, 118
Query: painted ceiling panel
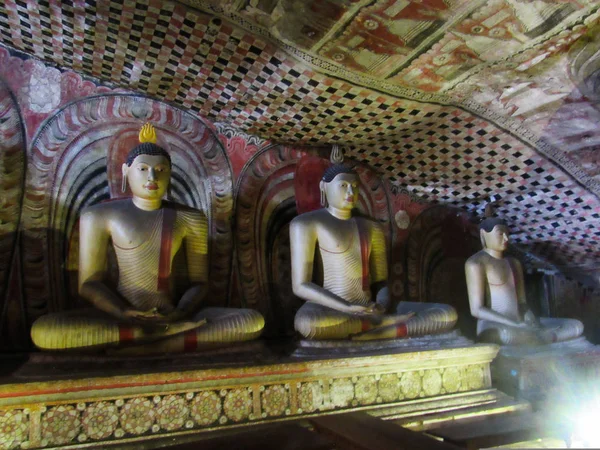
454, 100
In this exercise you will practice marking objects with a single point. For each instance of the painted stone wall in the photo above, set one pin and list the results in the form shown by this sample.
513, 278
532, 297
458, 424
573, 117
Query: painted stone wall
63, 140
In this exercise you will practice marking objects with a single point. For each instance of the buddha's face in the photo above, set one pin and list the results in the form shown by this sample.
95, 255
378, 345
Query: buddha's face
342, 191
497, 239
148, 176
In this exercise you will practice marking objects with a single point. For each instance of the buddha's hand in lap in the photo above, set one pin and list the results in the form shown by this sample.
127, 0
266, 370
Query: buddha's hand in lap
371, 309
155, 323
152, 316
530, 319
532, 327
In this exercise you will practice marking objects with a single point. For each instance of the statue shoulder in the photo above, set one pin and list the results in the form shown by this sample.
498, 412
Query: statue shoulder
194, 219
102, 210
184, 209
308, 219
514, 262
477, 259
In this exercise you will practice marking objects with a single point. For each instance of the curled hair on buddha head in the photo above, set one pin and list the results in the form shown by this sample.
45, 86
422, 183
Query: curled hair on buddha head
147, 146
332, 171
488, 224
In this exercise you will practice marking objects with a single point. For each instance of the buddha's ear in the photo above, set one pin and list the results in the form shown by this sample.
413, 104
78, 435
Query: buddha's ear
323, 195
482, 234
124, 169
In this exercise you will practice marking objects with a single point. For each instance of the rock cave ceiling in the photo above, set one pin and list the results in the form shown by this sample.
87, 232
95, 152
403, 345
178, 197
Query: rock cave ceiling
454, 100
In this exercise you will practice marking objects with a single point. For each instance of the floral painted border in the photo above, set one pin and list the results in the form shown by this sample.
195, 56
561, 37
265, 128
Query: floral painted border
147, 415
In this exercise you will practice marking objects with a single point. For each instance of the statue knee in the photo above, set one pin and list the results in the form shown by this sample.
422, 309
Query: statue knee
49, 332
577, 327
492, 336
306, 327
570, 329
41, 333
248, 324
449, 313
440, 314
255, 322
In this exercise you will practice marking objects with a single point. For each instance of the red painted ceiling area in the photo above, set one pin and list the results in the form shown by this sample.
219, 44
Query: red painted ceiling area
454, 100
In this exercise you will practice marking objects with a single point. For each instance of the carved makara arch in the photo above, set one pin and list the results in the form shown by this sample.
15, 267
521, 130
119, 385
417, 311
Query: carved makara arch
76, 162
12, 175
265, 204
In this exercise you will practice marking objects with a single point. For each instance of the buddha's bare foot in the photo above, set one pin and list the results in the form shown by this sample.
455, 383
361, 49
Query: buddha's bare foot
181, 327
170, 329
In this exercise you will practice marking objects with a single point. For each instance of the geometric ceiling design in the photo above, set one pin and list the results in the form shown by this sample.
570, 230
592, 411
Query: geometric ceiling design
455, 100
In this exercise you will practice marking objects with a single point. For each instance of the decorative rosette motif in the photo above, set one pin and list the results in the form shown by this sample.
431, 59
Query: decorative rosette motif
100, 420
474, 377
389, 387
206, 408
432, 382
341, 392
13, 429
60, 425
310, 397
451, 379
137, 415
172, 412
366, 390
237, 404
275, 400
410, 383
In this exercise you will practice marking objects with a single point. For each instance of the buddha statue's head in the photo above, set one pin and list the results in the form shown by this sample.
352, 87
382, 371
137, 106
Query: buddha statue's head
147, 168
339, 187
494, 234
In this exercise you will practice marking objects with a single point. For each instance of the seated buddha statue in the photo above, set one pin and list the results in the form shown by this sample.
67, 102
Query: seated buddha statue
352, 301
146, 233
496, 290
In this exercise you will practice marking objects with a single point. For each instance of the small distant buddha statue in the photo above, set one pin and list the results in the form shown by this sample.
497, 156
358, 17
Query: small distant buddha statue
352, 302
496, 290
146, 233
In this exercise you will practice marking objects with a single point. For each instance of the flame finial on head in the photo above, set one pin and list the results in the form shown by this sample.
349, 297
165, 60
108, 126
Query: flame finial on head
337, 154
147, 134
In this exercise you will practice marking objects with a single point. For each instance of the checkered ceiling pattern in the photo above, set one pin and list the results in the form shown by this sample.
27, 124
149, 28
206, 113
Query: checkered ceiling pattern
453, 157
220, 71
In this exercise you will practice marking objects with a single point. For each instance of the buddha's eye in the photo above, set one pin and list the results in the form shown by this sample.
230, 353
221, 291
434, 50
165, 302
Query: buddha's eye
143, 169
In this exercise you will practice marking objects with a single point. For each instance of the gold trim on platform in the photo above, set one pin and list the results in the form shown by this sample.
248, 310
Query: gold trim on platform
99, 411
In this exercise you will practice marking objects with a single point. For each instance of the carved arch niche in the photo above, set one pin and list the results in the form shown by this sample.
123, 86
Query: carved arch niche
265, 205
76, 162
13, 323
440, 240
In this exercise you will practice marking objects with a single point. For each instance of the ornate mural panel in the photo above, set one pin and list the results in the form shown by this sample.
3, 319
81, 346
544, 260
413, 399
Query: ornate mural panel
383, 37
